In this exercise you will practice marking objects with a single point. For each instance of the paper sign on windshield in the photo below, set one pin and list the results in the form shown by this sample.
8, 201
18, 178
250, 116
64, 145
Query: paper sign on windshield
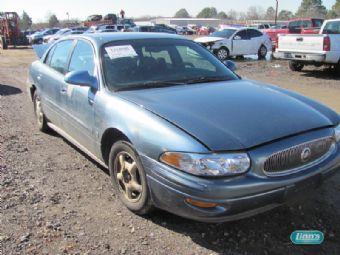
121, 51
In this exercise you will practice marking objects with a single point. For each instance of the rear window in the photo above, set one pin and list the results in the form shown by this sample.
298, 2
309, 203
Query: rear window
332, 28
317, 22
252, 33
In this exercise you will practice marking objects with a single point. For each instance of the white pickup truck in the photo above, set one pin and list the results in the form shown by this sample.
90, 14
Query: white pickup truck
320, 49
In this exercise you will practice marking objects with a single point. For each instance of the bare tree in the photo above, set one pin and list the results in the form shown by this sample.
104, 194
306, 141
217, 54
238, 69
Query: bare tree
255, 12
270, 14
232, 15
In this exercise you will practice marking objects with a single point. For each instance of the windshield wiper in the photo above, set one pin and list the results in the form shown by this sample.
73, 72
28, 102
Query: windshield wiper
152, 84
203, 79
158, 84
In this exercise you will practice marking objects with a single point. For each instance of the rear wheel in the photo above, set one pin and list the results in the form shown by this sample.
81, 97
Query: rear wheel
129, 178
337, 69
222, 53
39, 114
262, 53
295, 66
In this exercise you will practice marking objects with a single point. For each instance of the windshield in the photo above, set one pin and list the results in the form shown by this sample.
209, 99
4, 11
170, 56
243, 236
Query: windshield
225, 33
160, 62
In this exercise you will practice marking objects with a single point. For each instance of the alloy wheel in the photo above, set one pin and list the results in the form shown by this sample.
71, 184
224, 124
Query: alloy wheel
128, 177
222, 54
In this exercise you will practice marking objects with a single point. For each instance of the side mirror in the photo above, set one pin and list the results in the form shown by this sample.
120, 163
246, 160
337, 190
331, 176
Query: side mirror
237, 37
230, 65
81, 78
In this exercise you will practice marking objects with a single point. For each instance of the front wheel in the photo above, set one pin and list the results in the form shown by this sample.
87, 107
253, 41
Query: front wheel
262, 53
129, 178
222, 54
295, 66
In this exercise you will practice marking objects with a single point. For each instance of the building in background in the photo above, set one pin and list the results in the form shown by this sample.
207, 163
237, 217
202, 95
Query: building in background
188, 21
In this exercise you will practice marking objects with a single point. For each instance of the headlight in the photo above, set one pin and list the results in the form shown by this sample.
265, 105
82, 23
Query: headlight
337, 133
208, 164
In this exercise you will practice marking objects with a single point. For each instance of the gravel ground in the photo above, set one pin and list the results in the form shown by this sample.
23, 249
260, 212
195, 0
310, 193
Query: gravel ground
55, 200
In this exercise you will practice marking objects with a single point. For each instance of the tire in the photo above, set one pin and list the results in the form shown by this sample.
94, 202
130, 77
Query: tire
262, 53
39, 114
222, 53
4, 45
295, 66
129, 178
337, 69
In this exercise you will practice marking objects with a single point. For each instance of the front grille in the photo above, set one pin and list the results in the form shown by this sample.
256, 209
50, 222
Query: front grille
293, 158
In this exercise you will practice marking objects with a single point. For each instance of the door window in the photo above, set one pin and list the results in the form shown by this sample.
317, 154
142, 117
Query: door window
252, 33
59, 60
242, 35
49, 56
82, 58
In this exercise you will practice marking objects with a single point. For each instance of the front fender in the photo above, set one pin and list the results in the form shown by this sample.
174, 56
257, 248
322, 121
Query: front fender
150, 134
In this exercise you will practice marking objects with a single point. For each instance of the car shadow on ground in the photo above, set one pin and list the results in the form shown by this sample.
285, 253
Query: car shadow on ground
324, 74
266, 233
7, 90
105, 170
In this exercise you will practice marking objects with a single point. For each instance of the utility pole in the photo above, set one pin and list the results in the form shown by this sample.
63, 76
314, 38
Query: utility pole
276, 11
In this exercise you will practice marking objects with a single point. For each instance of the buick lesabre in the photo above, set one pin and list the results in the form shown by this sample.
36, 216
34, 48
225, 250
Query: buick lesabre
178, 129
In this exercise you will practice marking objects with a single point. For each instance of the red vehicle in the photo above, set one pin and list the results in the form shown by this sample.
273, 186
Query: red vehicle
295, 26
9, 29
205, 30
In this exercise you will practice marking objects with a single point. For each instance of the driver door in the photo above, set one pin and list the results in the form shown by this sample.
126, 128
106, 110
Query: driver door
241, 43
80, 100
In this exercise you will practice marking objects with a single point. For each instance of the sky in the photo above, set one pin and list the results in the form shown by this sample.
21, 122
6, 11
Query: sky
39, 9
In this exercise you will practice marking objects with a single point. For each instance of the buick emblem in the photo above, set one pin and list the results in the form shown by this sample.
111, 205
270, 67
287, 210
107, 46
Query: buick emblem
306, 154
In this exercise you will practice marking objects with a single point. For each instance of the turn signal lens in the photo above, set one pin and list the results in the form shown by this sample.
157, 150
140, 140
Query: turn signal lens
172, 159
200, 203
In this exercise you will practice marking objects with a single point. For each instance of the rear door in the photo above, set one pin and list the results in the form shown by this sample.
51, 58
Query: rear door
51, 80
241, 43
81, 99
256, 40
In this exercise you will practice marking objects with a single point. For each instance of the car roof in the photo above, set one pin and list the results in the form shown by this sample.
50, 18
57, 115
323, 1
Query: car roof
99, 39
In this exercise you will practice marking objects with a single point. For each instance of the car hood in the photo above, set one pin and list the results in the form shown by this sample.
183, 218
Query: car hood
234, 115
208, 39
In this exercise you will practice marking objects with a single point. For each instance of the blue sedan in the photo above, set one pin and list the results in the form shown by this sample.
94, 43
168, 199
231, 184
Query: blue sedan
178, 129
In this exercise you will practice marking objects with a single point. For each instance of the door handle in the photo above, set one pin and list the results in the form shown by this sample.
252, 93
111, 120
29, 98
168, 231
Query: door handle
63, 90
38, 77
91, 101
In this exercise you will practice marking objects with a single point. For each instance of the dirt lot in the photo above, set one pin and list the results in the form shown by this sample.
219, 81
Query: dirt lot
55, 200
